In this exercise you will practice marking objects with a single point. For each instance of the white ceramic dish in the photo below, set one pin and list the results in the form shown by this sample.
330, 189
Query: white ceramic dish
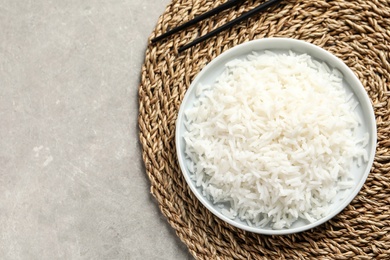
365, 111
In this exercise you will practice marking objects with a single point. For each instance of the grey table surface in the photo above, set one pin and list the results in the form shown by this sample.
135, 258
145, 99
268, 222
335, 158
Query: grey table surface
72, 180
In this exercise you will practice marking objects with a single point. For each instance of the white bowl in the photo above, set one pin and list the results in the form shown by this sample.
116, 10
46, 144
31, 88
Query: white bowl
364, 110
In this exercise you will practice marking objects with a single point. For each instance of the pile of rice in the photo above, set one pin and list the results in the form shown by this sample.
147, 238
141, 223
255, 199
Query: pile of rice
273, 139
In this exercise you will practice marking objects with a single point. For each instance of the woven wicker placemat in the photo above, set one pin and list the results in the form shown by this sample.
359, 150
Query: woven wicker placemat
357, 32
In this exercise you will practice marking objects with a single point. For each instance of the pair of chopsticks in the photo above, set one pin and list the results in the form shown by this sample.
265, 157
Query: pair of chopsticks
212, 12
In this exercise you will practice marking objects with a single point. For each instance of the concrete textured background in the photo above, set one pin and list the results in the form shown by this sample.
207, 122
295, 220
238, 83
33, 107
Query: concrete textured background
72, 181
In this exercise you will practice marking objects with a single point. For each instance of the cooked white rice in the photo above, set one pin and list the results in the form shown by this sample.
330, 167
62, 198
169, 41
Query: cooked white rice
273, 139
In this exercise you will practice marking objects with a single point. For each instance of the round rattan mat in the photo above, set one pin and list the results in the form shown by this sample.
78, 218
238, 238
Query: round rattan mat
356, 31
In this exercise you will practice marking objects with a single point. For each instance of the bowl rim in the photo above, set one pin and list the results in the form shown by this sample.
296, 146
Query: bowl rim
356, 85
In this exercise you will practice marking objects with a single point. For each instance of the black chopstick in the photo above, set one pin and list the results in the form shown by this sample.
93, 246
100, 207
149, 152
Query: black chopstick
199, 18
230, 24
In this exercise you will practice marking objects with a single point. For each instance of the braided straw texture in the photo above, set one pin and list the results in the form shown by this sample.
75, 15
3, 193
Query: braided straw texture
356, 31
